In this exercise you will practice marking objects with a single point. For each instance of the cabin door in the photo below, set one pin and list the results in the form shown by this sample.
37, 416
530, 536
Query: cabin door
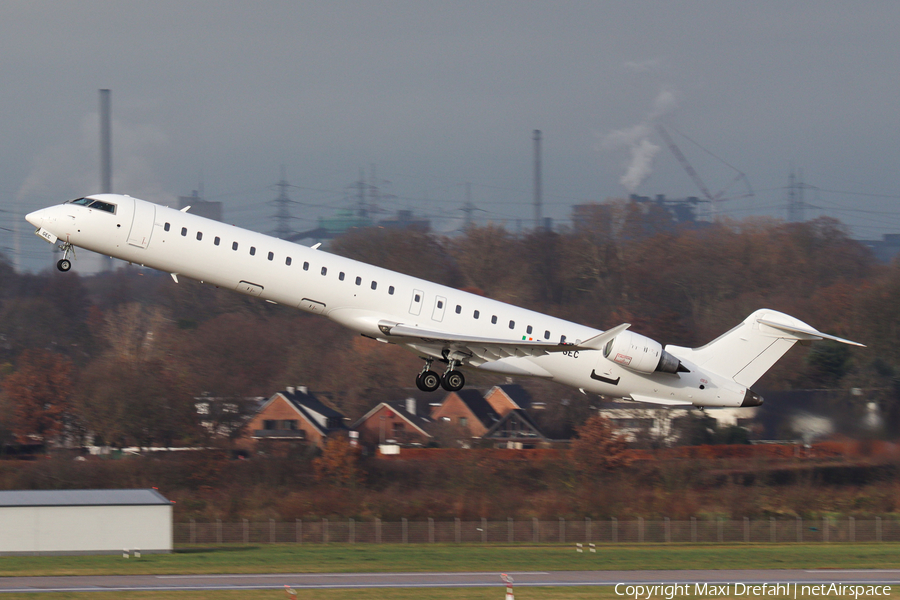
142, 224
415, 307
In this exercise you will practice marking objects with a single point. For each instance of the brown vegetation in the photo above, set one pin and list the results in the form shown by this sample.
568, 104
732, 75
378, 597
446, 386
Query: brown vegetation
122, 356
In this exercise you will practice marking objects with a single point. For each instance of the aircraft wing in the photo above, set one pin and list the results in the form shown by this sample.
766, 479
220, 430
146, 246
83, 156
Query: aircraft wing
482, 349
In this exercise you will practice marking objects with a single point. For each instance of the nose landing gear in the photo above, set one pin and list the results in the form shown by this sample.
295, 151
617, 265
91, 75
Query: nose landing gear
64, 264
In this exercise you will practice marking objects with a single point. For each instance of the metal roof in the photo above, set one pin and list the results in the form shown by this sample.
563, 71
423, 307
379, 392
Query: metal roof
82, 498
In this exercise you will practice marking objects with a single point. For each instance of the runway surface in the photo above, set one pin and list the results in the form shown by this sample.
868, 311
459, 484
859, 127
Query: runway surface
453, 580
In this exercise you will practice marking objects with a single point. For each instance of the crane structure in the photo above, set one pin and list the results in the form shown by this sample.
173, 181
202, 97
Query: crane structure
713, 199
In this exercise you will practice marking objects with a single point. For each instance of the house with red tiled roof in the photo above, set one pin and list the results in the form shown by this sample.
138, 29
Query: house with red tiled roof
403, 422
292, 416
508, 397
468, 409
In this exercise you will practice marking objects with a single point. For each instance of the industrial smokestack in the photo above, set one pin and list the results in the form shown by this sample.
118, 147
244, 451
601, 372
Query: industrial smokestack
538, 224
105, 143
105, 157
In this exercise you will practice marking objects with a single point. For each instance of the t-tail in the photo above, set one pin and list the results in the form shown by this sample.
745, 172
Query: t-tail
747, 351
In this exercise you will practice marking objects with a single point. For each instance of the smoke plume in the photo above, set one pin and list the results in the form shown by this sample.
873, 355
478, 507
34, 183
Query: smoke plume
636, 140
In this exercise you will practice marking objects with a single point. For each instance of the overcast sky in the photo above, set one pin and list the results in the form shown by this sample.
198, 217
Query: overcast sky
435, 94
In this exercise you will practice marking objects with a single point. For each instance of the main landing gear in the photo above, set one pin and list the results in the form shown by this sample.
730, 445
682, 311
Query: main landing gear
64, 264
452, 380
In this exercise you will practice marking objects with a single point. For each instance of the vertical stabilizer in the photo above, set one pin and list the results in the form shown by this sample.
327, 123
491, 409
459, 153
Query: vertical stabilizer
746, 352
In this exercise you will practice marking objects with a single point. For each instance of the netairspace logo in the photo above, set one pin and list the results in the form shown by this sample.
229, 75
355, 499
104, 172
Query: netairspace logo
795, 590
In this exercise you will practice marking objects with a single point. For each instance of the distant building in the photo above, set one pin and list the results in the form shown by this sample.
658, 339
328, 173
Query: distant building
293, 415
201, 207
343, 221
468, 409
885, 249
660, 425
405, 220
516, 430
36, 522
507, 398
402, 422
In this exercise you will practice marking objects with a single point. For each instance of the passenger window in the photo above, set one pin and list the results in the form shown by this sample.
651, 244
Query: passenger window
359, 281
166, 227
306, 266
271, 255
252, 250
217, 240
476, 314
199, 235
287, 261
341, 276
528, 330
374, 284
184, 231
458, 309
494, 320
391, 291
418, 298
234, 245
440, 304
512, 324
546, 335
324, 270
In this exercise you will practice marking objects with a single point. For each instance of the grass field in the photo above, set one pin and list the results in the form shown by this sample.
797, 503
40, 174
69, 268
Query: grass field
290, 558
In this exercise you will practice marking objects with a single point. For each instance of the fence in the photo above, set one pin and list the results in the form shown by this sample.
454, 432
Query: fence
561, 531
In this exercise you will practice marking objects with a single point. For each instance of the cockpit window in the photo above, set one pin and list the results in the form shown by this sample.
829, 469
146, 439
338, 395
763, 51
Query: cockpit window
100, 205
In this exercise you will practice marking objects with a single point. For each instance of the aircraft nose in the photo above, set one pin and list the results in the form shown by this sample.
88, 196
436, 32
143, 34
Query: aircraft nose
37, 217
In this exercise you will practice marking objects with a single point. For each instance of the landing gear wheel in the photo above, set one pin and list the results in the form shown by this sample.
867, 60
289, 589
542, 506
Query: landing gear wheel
453, 381
64, 264
428, 381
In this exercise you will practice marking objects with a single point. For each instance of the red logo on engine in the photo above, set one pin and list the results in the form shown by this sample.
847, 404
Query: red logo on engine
622, 359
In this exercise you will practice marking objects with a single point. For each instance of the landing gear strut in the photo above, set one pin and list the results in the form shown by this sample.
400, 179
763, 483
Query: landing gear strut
64, 264
427, 380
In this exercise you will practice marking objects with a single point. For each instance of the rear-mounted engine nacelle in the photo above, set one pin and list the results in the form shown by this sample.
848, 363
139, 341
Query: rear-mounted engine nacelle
640, 353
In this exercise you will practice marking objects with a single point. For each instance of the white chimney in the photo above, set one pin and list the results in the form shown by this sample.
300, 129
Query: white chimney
411, 406
290, 389
303, 389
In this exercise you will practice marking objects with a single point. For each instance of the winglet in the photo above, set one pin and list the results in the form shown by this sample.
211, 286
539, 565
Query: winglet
598, 341
815, 333
186, 208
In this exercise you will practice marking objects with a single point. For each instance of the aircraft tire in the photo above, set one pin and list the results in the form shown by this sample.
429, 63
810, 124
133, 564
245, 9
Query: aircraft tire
453, 381
64, 264
428, 381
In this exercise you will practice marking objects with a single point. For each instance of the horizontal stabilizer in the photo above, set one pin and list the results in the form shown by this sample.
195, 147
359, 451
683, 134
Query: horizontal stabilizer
813, 333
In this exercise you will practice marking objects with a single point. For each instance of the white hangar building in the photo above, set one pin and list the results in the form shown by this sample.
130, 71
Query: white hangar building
84, 521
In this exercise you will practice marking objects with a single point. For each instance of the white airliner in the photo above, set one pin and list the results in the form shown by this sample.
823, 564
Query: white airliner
439, 323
